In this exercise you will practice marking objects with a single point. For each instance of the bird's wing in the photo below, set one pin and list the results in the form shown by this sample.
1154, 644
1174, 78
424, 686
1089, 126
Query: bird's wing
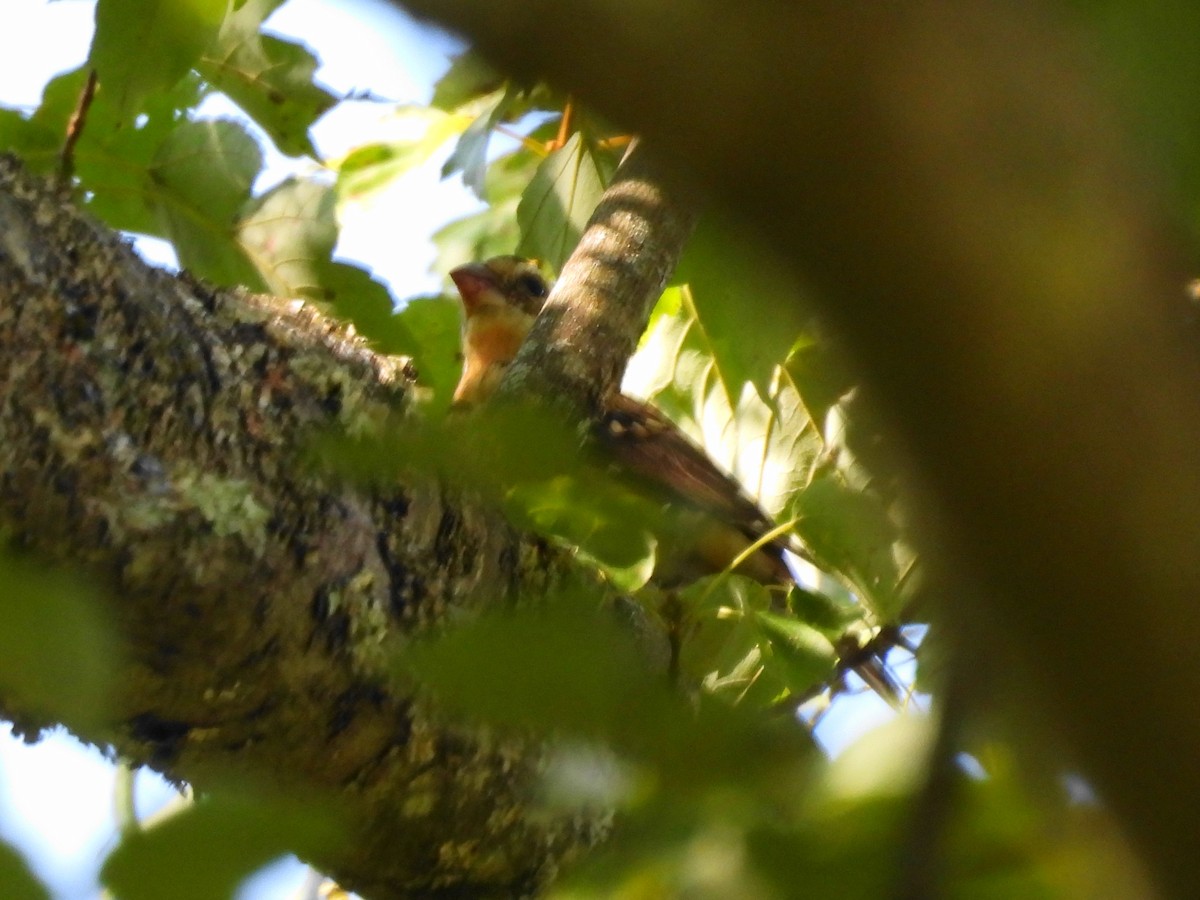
645, 443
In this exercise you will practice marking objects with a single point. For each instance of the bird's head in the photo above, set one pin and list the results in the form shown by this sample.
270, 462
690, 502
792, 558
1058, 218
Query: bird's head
501, 297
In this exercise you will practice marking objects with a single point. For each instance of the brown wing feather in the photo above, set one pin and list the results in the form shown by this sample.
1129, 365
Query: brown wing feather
648, 446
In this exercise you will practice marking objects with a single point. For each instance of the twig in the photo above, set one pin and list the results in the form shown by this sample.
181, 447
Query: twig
75, 126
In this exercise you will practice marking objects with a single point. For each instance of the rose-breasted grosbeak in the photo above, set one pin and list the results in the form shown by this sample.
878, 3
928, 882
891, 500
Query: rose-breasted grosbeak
712, 521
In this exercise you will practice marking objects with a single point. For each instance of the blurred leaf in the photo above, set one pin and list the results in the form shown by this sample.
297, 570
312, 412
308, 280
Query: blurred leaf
432, 324
290, 233
56, 646
34, 140
1150, 64
561, 198
612, 526
802, 656
850, 854
470, 153
269, 78
207, 850
468, 79
372, 167
488, 450
142, 47
746, 304
562, 665
203, 173
828, 615
890, 761
17, 880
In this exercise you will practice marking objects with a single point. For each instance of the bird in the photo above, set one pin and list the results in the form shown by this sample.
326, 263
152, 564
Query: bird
501, 298
712, 521
713, 526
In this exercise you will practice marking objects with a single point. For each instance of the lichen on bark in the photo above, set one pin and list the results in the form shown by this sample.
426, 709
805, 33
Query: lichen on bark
152, 435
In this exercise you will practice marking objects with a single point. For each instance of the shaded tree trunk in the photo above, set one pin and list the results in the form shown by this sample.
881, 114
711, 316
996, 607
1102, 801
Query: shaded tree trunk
153, 435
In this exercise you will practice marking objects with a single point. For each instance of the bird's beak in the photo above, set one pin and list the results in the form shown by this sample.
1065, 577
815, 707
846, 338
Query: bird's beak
473, 281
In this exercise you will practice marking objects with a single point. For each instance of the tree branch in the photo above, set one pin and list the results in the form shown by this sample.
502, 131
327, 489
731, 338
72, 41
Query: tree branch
151, 434
977, 230
600, 304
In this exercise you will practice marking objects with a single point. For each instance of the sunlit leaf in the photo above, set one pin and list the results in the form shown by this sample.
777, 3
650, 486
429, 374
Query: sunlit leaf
470, 153
372, 167
765, 440
207, 850
269, 78
561, 197
850, 531
141, 47
113, 159
493, 230
819, 375
56, 644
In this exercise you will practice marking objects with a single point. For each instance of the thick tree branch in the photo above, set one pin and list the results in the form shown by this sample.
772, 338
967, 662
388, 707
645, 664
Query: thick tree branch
979, 236
151, 434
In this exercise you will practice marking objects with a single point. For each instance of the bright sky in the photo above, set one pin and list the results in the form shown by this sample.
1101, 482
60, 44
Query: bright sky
56, 797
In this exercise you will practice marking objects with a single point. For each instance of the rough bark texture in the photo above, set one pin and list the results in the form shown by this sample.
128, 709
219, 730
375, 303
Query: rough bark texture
981, 238
150, 429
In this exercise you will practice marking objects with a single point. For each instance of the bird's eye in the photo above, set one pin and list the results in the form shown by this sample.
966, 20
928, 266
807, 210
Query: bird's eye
533, 285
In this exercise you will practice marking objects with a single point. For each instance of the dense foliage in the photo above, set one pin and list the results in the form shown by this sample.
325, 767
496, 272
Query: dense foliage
723, 795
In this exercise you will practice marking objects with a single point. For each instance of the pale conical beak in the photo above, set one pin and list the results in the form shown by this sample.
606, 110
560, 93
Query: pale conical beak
473, 280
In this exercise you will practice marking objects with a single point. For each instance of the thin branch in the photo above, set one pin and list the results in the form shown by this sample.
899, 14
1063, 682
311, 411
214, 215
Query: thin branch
75, 127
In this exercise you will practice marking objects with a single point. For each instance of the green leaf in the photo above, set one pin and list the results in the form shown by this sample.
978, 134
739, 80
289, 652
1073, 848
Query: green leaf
113, 160
493, 230
747, 305
34, 141
142, 47
800, 654
56, 644
611, 526
207, 850
819, 374
470, 153
432, 325
203, 173
765, 440
467, 80
290, 233
270, 78
372, 167
561, 198
829, 615
16, 879
563, 665
849, 531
